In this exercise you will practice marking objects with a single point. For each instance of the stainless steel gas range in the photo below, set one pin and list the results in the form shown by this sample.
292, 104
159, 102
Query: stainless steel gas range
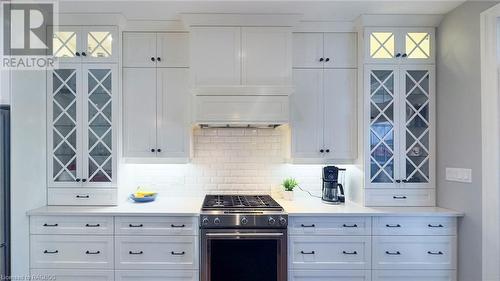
244, 238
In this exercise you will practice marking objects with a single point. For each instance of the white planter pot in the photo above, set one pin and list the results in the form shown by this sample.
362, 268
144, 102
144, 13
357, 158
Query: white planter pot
288, 195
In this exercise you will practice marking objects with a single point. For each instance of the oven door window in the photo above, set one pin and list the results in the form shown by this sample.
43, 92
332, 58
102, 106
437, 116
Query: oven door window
244, 260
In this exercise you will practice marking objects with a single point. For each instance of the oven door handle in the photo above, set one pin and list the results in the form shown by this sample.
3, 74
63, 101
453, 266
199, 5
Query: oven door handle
259, 234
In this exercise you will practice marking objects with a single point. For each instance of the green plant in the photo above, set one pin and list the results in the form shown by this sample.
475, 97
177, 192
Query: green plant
289, 184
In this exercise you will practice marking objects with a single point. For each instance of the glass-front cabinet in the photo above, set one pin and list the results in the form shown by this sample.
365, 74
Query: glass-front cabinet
399, 102
82, 117
399, 45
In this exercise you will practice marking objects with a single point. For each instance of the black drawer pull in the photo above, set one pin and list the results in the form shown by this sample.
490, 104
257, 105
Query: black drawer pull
178, 253
92, 225
92, 253
310, 225
393, 225
433, 225
50, 252
393, 253
135, 253
83, 196
177, 226
307, 253
50, 225
349, 225
349, 253
399, 197
435, 253
135, 225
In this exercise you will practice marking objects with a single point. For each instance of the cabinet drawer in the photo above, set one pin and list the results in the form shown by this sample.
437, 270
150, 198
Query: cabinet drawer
414, 275
400, 197
73, 275
156, 225
329, 226
325, 275
155, 252
68, 251
81, 196
71, 225
414, 226
329, 252
414, 252
157, 275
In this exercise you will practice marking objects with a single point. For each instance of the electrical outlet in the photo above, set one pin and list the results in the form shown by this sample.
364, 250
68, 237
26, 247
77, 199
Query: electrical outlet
459, 175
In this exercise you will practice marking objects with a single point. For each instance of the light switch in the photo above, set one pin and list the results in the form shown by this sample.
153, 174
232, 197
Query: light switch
459, 175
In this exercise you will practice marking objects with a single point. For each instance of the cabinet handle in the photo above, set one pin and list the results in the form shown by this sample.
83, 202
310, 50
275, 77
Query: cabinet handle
84, 54
404, 55
135, 253
432, 225
393, 225
92, 225
327, 151
321, 59
321, 150
327, 59
398, 181
393, 253
92, 253
398, 197
307, 253
398, 55
84, 180
135, 225
178, 253
152, 59
158, 59
77, 180
177, 226
50, 225
153, 150
158, 150
77, 54
349, 225
435, 253
349, 253
405, 181
50, 252
310, 225
83, 196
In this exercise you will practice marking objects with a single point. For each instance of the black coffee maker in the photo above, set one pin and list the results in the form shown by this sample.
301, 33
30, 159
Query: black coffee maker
333, 185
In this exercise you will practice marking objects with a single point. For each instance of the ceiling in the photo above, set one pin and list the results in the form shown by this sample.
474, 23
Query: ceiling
311, 10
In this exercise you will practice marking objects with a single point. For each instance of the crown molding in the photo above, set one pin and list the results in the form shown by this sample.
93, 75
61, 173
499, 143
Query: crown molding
399, 20
209, 19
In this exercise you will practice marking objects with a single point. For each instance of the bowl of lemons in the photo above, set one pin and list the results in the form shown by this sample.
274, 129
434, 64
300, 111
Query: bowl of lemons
142, 195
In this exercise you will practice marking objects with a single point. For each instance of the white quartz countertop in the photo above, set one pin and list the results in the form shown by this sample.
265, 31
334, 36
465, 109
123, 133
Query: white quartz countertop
190, 206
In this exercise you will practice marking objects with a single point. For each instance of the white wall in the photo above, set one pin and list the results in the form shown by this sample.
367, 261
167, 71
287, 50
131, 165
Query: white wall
459, 127
28, 173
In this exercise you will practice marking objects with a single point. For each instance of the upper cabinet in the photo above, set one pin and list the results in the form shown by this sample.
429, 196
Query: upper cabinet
149, 49
85, 43
399, 45
324, 50
234, 56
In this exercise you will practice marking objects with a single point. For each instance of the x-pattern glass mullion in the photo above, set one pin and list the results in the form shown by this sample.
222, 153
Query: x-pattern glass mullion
418, 45
382, 45
64, 44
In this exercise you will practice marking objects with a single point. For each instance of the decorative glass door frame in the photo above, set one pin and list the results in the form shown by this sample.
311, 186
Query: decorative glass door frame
100, 43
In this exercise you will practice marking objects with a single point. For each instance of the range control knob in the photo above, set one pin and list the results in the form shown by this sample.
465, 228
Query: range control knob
216, 221
271, 221
204, 221
282, 221
244, 220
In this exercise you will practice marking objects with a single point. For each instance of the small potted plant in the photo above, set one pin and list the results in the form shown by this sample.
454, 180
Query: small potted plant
289, 184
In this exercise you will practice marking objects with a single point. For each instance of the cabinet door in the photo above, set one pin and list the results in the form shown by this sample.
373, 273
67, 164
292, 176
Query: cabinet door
307, 114
382, 126
383, 45
418, 45
340, 50
266, 56
417, 134
172, 49
64, 137
173, 112
307, 50
139, 112
100, 44
216, 57
340, 126
100, 107
67, 43
139, 49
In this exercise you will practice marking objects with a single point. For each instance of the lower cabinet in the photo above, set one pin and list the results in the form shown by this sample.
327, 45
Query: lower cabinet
72, 275
324, 275
156, 275
414, 275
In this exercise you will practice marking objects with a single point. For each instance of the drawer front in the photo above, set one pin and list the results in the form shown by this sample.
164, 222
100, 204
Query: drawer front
154, 252
156, 225
414, 226
414, 252
69, 251
73, 275
81, 196
157, 275
329, 252
329, 226
71, 225
400, 197
327, 275
414, 275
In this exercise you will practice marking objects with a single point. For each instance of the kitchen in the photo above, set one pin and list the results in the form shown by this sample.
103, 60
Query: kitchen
216, 107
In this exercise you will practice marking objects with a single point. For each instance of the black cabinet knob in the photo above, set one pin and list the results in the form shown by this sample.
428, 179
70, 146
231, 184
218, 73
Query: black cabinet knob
153, 150
327, 151
321, 59
84, 180
398, 181
404, 181
398, 55
321, 150
77, 54
404, 55
158, 59
327, 59
84, 54
77, 180
158, 150
153, 59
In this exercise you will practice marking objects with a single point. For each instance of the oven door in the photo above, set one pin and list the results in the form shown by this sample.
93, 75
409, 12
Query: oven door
244, 255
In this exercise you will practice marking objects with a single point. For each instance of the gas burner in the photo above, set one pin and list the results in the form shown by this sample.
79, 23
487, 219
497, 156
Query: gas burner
219, 202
